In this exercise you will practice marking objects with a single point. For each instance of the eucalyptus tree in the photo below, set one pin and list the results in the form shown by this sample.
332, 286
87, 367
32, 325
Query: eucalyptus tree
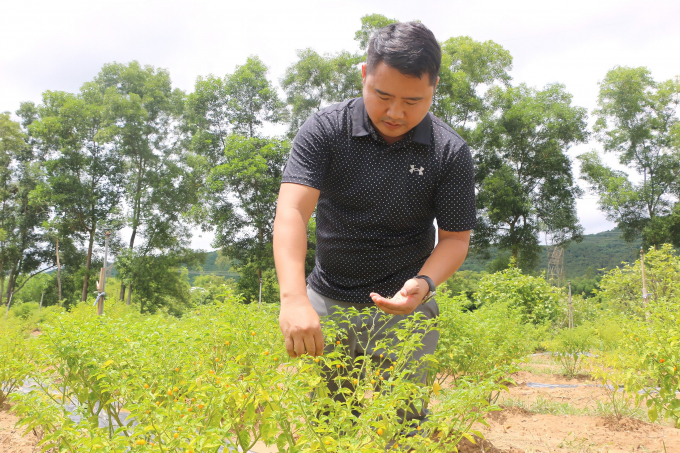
144, 124
637, 119
316, 81
242, 193
469, 69
242, 168
251, 98
84, 173
369, 24
523, 175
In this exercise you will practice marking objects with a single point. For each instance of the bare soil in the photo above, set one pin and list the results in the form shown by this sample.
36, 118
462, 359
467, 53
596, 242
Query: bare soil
524, 426
11, 439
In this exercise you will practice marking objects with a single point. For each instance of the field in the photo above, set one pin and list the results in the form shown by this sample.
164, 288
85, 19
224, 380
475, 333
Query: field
219, 376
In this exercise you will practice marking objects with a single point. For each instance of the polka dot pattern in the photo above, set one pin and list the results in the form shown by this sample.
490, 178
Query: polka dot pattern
378, 202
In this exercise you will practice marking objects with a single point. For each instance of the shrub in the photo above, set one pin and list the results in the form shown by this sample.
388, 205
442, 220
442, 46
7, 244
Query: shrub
535, 300
14, 363
653, 347
480, 345
616, 379
570, 346
221, 372
621, 288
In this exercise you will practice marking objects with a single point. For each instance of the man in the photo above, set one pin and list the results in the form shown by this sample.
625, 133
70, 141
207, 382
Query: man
379, 169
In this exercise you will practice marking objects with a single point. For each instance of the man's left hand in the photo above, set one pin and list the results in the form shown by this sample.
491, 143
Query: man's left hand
406, 300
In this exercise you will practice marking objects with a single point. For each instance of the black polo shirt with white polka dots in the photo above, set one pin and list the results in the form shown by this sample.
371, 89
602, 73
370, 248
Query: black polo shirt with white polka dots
374, 220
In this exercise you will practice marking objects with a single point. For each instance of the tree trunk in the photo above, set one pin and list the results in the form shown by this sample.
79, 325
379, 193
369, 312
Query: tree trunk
88, 263
9, 301
129, 297
58, 272
2, 281
135, 221
9, 284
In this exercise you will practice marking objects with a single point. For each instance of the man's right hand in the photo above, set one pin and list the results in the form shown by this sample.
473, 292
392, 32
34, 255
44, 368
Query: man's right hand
301, 328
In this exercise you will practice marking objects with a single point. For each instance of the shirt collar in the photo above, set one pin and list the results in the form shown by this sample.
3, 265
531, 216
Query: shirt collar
361, 125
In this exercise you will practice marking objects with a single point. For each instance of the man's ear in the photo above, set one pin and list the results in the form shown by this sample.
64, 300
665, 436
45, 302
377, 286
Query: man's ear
363, 72
435, 85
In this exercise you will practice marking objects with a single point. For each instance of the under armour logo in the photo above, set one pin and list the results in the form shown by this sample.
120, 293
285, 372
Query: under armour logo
419, 170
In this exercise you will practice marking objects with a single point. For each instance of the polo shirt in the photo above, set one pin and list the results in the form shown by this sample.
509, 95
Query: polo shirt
378, 202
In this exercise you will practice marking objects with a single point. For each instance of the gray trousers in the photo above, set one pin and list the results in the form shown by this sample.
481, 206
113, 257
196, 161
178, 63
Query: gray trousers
358, 343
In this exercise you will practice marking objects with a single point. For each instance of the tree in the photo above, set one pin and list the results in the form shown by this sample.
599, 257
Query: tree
22, 250
637, 119
369, 24
160, 278
243, 170
251, 98
316, 81
238, 103
11, 143
207, 119
84, 174
469, 69
523, 175
144, 118
242, 195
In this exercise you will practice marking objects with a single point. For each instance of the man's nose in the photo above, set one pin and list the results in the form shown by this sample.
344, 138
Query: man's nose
395, 111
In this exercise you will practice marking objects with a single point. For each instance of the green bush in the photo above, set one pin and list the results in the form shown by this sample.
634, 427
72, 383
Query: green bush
621, 288
221, 372
24, 310
487, 343
535, 300
570, 346
14, 362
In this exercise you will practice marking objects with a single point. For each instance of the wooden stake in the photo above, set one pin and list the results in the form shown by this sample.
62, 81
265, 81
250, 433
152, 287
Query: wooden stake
100, 288
644, 282
58, 272
571, 309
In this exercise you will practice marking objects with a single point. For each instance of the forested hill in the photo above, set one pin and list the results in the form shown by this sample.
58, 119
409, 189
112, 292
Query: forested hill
604, 250
215, 266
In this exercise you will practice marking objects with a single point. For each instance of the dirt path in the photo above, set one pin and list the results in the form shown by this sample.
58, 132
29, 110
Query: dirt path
577, 419
11, 439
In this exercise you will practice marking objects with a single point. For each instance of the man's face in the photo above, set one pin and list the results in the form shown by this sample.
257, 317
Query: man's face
395, 102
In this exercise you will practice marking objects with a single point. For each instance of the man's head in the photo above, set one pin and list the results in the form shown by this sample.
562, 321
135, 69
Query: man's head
400, 75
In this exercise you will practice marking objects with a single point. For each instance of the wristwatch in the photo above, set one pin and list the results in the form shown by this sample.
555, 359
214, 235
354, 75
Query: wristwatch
431, 291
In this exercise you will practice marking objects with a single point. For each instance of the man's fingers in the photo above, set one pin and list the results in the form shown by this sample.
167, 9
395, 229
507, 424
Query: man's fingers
289, 346
392, 308
318, 341
299, 345
310, 346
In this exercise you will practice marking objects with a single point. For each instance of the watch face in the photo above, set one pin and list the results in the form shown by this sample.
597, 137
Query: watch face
428, 297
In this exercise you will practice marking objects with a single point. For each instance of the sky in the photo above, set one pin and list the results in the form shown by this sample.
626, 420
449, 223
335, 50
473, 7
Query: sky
49, 45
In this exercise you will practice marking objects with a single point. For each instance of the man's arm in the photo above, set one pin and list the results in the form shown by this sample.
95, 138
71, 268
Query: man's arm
298, 320
444, 261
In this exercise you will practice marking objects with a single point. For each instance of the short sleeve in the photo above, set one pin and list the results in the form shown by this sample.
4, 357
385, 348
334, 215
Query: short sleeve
455, 202
309, 155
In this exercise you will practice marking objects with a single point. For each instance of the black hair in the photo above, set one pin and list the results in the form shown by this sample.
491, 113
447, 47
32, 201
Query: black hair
409, 47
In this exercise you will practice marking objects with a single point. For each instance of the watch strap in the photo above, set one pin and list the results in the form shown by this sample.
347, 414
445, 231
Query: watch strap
429, 281
431, 288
